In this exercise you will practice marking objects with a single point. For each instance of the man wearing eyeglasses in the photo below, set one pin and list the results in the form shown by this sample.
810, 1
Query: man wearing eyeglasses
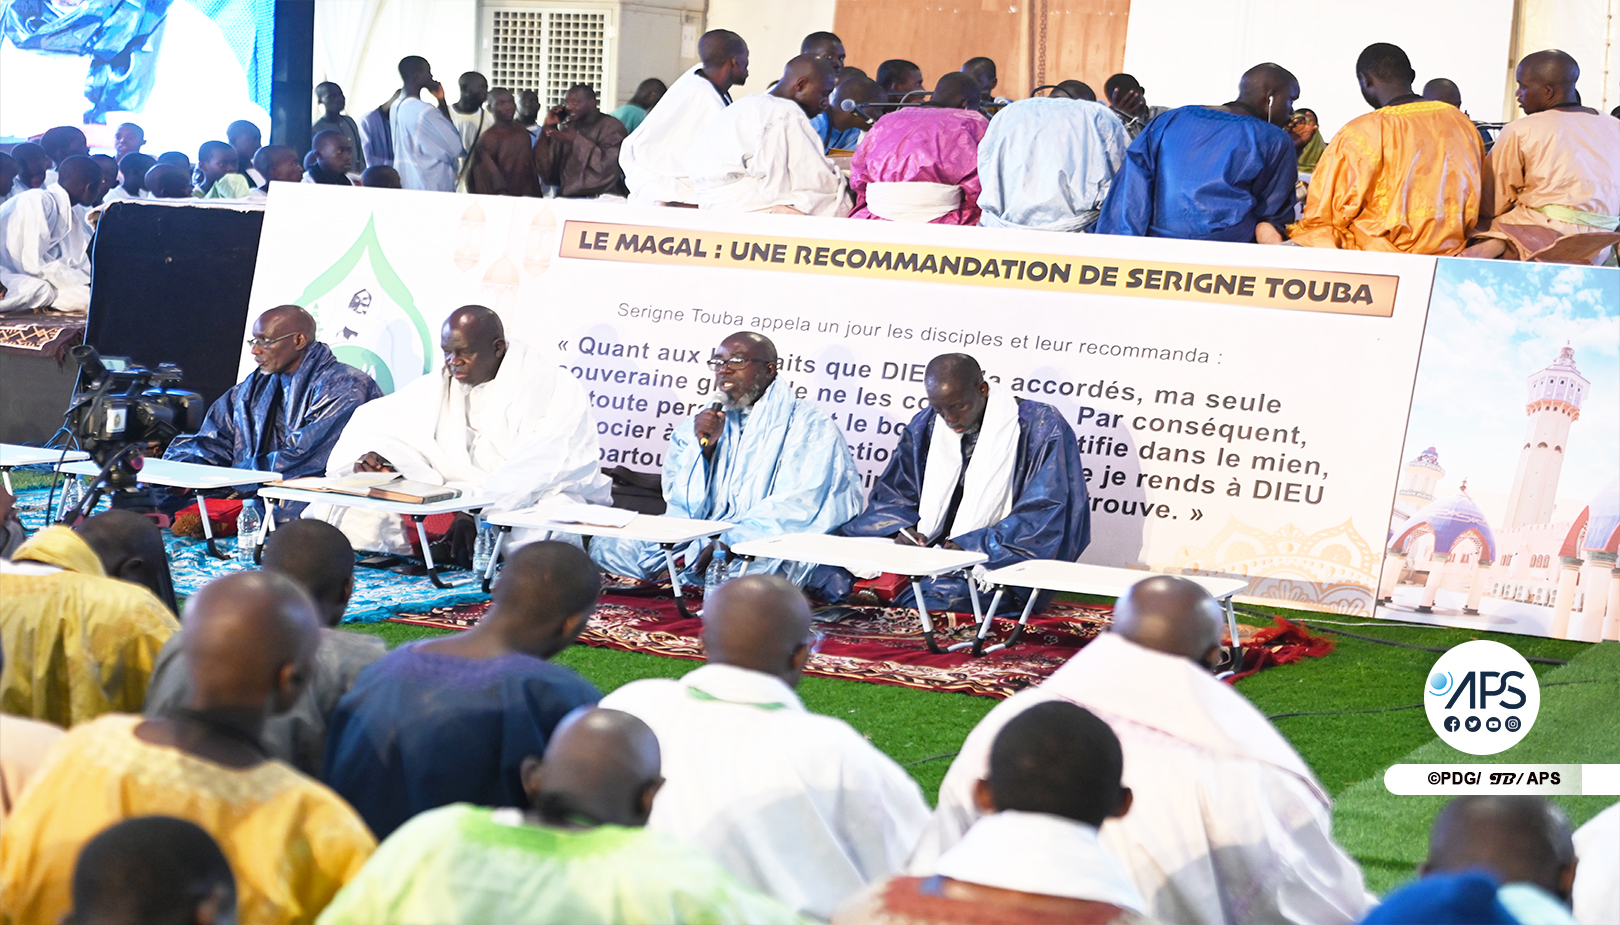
287, 414
758, 458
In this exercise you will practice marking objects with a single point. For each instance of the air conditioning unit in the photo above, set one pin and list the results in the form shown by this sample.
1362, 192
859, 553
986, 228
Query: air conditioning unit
548, 46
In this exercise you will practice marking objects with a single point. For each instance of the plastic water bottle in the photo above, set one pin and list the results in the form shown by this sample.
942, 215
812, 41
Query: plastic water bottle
716, 574
247, 533
483, 547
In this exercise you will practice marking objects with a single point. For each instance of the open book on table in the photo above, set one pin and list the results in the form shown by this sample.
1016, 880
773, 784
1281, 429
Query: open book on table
385, 486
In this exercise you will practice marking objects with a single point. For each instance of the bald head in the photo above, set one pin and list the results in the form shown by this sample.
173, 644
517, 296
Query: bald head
545, 594
81, 178
1547, 79
1060, 759
983, 71
957, 391
473, 340
288, 319
278, 163
168, 181
318, 556
64, 142
249, 640
130, 548
807, 80
957, 90
1075, 90
725, 58
825, 44
858, 89
1441, 90
1269, 91
603, 765
758, 622
152, 869
1519, 839
1170, 615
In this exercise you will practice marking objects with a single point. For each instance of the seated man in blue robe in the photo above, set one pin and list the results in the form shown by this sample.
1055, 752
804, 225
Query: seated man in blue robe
1212, 173
759, 458
287, 414
979, 470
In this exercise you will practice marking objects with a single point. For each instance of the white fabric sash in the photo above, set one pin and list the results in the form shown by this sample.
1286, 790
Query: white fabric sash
987, 492
1042, 854
912, 201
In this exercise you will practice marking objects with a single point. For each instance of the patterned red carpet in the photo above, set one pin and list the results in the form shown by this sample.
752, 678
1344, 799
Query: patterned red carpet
885, 646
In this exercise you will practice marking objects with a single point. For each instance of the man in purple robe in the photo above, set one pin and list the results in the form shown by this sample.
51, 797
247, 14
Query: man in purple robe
921, 163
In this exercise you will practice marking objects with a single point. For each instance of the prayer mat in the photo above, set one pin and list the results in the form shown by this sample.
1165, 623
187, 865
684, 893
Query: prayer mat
41, 332
885, 646
378, 593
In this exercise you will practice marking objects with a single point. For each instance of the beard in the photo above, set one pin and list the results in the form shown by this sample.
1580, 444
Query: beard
743, 400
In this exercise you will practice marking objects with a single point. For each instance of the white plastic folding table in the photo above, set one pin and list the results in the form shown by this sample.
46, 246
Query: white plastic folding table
416, 512
1078, 578
13, 455
670, 533
869, 554
194, 476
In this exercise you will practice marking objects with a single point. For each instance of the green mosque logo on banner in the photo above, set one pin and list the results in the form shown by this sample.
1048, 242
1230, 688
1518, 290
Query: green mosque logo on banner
368, 315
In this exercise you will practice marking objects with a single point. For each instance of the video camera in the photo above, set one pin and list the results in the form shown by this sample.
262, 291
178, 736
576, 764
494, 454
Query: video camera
118, 411
118, 404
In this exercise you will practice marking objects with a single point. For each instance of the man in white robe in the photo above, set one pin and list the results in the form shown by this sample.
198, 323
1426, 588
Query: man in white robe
427, 145
792, 803
501, 419
1228, 824
43, 241
653, 156
765, 461
1054, 777
763, 155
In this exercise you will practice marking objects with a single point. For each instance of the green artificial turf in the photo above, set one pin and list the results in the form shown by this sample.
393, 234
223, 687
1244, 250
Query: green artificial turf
1351, 715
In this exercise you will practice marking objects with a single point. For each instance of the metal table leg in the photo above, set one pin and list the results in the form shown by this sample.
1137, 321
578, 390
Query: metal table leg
265, 529
675, 579
980, 615
1023, 619
922, 613
1236, 648
987, 619
208, 528
427, 551
495, 558
5, 473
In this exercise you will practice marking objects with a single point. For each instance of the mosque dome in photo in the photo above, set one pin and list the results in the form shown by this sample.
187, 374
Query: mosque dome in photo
1600, 521
1451, 520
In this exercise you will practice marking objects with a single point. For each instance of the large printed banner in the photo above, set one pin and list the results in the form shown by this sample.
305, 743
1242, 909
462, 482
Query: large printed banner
1241, 410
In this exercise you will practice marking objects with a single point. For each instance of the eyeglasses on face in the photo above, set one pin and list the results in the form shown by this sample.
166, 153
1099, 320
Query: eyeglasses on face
735, 364
263, 342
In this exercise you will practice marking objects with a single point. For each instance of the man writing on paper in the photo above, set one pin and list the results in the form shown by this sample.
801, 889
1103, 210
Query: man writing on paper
654, 155
759, 458
978, 470
287, 414
1228, 824
1553, 175
1212, 173
761, 155
921, 164
499, 419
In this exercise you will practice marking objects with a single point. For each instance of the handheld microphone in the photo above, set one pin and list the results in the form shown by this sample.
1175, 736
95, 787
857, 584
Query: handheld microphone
704, 440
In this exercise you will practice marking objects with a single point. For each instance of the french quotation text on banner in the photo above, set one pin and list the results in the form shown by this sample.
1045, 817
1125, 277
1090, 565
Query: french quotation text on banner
1343, 293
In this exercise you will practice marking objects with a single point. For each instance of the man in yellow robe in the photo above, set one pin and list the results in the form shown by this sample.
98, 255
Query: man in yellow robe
1405, 177
79, 643
1552, 182
250, 642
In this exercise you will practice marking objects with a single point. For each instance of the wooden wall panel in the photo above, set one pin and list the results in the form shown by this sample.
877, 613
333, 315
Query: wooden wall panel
1084, 39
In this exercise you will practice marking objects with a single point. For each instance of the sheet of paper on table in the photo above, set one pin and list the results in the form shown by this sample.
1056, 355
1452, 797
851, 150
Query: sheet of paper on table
360, 483
596, 515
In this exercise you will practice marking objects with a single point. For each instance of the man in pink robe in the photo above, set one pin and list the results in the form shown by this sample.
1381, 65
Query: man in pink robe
921, 163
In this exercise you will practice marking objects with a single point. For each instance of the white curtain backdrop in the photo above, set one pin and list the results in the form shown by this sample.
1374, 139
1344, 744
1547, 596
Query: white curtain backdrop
358, 44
